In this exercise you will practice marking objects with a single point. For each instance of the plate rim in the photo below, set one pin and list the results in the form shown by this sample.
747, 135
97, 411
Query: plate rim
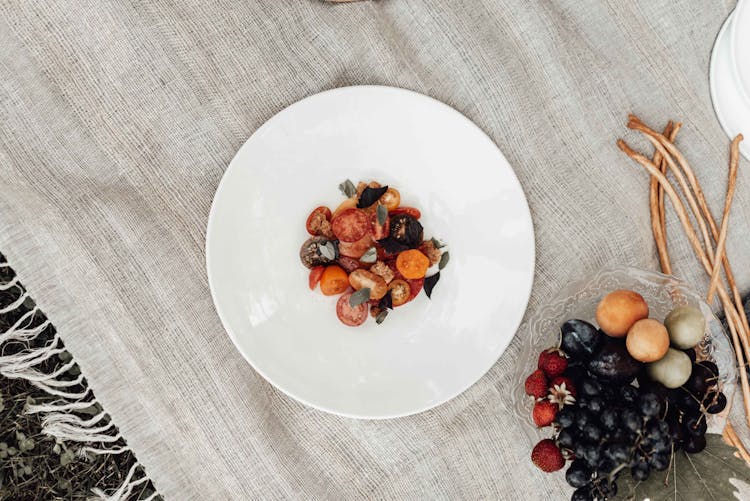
212, 284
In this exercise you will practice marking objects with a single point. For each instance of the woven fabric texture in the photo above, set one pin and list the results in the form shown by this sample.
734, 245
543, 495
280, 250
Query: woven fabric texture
119, 118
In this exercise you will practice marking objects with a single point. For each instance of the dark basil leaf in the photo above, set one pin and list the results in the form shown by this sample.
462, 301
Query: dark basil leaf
444, 260
386, 302
370, 196
381, 317
359, 297
348, 189
429, 283
382, 214
392, 246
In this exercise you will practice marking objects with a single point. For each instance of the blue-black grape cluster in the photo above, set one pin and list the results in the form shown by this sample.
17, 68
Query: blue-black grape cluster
615, 426
689, 405
611, 428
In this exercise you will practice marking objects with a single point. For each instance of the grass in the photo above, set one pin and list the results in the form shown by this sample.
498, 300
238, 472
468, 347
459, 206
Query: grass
34, 466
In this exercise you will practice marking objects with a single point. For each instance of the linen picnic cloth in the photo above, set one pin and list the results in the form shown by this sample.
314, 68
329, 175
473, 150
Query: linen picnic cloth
118, 119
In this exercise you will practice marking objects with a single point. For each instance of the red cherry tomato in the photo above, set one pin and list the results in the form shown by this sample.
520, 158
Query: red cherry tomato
356, 249
380, 231
349, 263
317, 219
410, 211
351, 225
348, 315
416, 287
315, 275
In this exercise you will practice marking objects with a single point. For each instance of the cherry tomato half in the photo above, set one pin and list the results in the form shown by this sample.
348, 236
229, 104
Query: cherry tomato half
334, 280
351, 225
416, 287
315, 275
356, 249
400, 292
318, 221
410, 211
348, 315
349, 263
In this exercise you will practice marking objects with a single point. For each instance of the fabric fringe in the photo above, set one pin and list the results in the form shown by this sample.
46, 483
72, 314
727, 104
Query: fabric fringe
98, 434
126, 488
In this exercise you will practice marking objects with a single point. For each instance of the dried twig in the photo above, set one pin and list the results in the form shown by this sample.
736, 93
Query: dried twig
656, 194
734, 160
682, 214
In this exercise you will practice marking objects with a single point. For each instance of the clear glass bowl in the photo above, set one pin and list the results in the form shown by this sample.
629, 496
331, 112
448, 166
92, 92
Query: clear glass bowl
579, 300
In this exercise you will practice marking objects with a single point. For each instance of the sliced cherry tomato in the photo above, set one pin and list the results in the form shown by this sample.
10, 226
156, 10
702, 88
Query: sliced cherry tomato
318, 222
351, 225
360, 279
356, 249
348, 315
410, 211
349, 263
416, 287
380, 230
400, 292
315, 275
412, 264
334, 280
391, 198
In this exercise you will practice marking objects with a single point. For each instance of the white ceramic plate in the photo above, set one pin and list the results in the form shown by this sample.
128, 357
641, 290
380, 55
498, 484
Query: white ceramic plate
740, 45
729, 99
427, 351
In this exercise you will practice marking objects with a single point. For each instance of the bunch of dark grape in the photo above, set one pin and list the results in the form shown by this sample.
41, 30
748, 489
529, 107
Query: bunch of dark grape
688, 407
612, 428
615, 426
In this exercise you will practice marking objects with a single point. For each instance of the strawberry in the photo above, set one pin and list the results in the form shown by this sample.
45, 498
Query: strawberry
553, 362
536, 384
544, 413
547, 456
562, 380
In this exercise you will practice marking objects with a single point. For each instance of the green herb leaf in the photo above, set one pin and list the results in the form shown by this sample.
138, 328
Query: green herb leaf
437, 243
370, 256
370, 196
359, 297
328, 250
348, 189
444, 260
429, 284
701, 476
382, 214
381, 317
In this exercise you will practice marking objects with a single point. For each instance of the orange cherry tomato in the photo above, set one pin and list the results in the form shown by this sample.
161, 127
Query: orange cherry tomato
391, 198
315, 275
334, 280
318, 222
409, 211
412, 264
400, 292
